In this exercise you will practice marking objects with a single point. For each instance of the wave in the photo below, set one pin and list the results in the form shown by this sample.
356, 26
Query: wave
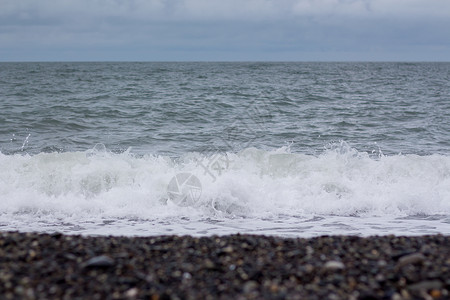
254, 183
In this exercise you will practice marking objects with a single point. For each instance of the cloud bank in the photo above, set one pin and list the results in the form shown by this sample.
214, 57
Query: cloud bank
224, 30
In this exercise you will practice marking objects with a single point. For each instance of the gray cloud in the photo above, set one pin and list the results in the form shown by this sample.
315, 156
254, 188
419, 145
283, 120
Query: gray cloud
176, 10
224, 30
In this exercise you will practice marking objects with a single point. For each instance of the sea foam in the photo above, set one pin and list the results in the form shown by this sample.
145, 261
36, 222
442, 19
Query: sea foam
100, 186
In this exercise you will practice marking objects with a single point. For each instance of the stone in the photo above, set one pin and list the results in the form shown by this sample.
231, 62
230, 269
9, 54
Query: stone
132, 293
101, 261
333, 265
425, 286
410, 259
250, 286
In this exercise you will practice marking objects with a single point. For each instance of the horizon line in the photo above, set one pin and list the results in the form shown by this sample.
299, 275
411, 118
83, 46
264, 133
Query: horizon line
224, 61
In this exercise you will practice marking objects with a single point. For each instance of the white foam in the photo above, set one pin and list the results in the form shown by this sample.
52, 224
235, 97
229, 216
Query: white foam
96, 186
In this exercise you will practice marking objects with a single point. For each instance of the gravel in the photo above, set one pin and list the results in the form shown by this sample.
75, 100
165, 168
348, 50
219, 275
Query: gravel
57, 266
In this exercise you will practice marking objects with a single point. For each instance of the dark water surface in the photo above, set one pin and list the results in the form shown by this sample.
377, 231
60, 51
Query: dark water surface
174, 108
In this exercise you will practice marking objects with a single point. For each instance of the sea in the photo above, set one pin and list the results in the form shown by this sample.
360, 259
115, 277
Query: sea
292, 149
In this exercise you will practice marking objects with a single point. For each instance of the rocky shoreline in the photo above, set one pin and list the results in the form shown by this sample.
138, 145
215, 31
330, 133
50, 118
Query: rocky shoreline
57, 266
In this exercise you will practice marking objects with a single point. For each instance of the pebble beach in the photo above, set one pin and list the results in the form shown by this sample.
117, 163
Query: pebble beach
57, 266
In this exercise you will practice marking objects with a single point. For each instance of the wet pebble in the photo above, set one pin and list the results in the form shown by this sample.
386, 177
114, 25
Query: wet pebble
42, 266
413, 258
333, 266
101, 261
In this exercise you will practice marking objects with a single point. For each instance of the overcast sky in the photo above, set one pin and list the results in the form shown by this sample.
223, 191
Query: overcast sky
224, 30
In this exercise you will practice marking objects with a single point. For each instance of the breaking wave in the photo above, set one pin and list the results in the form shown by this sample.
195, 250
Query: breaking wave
253, 183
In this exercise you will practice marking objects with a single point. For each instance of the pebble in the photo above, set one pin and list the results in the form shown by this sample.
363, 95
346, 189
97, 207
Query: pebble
132, 293
436, 293
334, 265
43, 266
101, 261
250, 286
425, 285
410, 259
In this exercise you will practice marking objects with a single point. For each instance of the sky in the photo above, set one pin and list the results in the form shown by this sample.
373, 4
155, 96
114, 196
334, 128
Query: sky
224, 30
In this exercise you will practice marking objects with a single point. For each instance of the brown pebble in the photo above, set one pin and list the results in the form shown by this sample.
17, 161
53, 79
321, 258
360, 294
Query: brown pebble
209, 264
436, 294
228, 249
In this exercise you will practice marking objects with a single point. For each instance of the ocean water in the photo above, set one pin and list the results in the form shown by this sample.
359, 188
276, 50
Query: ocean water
288, 149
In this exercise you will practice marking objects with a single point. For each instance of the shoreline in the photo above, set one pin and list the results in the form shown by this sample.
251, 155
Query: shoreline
57, 266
